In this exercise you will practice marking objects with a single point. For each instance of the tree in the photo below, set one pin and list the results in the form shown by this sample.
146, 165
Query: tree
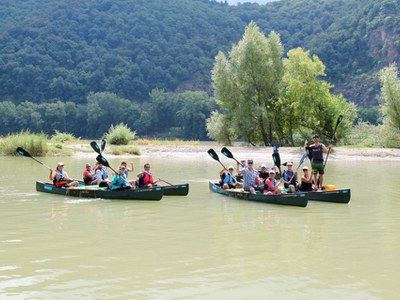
218, 129
390, 96
247, 85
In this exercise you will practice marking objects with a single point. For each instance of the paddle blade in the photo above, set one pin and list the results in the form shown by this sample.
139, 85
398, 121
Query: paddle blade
226, 152
213, 154
277, 159
303, 158
95, 147
23, 152
101, 159
340, 119
103, 145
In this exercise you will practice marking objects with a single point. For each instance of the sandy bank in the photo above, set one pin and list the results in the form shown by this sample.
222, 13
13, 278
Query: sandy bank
286, 153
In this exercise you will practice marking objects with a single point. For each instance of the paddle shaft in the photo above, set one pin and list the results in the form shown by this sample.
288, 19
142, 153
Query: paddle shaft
340, 118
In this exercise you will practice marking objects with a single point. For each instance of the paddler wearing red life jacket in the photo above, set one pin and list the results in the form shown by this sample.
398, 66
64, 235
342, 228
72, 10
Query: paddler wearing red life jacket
60, 177
145, 178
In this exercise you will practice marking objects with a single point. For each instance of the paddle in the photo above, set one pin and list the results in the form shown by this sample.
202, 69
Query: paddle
302, 160
214, 155
96, 147
276, 158
162, 180
229, 154
23, 152
340, 119
102, 160
103, 145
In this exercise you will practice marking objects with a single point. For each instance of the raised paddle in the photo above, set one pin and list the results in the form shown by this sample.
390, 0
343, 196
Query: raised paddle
102, 160
95, 147
276, 158
302, 160
23, 152
340, 119
229, 154
214, 155
103, 145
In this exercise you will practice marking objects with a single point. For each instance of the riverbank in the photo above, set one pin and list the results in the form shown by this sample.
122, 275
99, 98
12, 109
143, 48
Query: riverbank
244, 152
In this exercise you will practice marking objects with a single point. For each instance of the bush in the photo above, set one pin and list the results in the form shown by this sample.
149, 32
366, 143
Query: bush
62, 137
120, 135
35, 144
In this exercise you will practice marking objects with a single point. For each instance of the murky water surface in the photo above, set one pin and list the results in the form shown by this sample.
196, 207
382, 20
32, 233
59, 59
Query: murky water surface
203, 246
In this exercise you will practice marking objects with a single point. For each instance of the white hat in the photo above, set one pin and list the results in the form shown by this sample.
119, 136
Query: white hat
271, 172
305, 168
263, 166
231, 168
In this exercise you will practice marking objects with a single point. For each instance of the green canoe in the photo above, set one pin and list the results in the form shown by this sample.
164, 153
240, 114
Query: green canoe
176, 190
295, 199
337, 196
154, 194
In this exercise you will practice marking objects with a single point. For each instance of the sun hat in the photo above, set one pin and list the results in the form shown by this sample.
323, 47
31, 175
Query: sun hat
289, 163
231, 168
305, 168
271, 172
60, 164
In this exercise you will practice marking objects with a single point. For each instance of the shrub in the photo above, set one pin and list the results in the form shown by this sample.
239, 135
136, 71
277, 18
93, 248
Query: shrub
120, 135
62, 137
34, 143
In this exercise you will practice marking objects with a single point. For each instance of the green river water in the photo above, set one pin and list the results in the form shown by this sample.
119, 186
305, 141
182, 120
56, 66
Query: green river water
203, 246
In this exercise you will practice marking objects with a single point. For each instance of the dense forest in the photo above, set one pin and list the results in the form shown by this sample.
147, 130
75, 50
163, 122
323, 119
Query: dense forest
60, 55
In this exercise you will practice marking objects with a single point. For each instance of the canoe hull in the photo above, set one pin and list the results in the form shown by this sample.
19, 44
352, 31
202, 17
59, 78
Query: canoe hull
176, 190
154, 194
295, 199
336, 196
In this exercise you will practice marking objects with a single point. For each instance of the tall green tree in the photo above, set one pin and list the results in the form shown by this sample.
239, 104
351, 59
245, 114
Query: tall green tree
247, 85
390, 95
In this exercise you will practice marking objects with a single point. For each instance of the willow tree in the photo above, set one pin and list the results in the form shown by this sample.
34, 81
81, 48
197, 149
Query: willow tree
307, 104
390, 95
247, 85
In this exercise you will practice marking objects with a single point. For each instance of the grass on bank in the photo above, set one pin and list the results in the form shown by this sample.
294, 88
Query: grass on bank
154, 142
34, 143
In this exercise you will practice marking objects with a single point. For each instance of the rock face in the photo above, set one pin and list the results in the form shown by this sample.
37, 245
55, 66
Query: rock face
384, 46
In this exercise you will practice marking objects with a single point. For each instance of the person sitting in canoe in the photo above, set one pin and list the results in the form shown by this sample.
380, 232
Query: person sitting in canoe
250, 177
306, 181
88, 174
228, 180
145, 178
127, 170
119, 181
100, 176
317, 151
271, 186
60, 177
290, 178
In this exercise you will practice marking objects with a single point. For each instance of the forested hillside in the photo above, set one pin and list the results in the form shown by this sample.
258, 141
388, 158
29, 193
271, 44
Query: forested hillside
63, 51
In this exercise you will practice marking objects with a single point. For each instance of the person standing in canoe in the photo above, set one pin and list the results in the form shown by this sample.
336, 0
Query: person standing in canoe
250, 177
145, 178
317, 151
60, 177
119, 181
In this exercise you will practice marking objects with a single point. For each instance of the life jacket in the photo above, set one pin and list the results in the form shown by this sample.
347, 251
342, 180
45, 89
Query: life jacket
317, 153
119, 181
59, 180
268, 188
145, 179
228, 179
289, 175
87, 180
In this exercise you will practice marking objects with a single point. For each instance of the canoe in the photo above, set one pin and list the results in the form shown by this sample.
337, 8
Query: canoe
295, 199
176, 190
154, 194
337, 196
